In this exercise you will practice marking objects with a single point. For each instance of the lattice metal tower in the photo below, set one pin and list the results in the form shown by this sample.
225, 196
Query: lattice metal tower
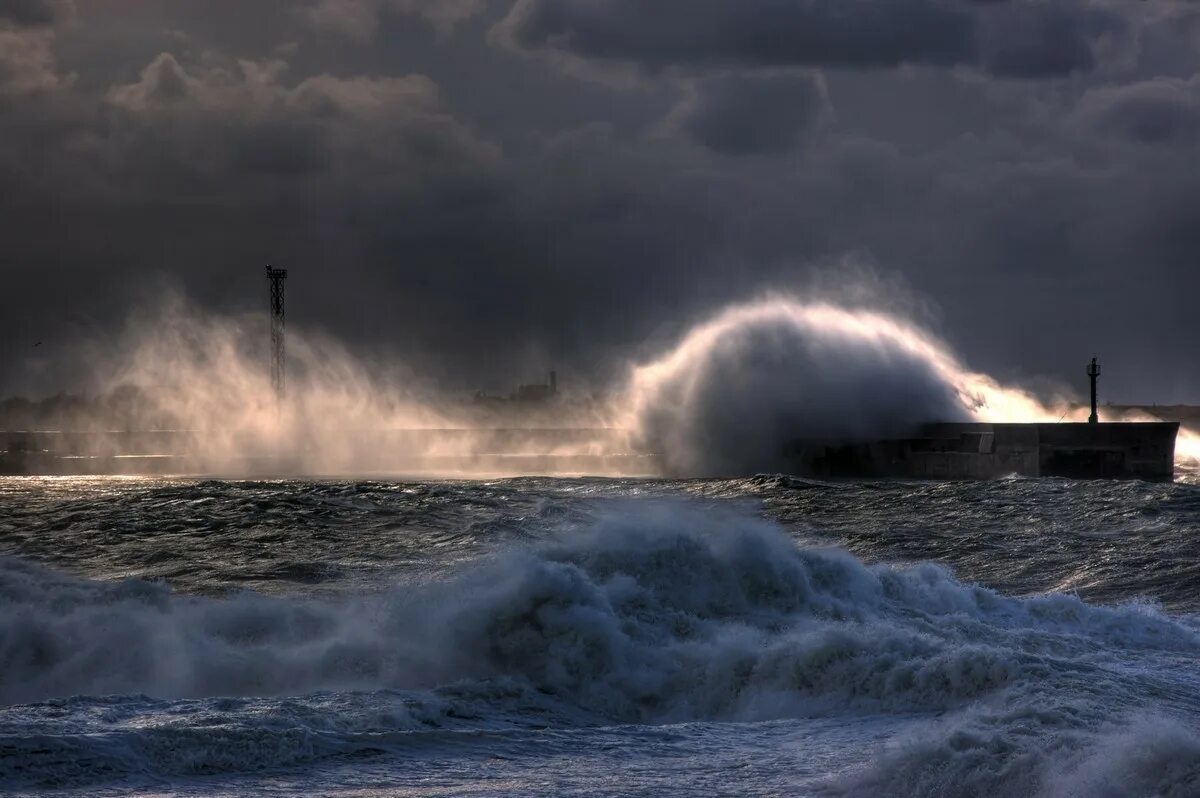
276, 278
1093, 372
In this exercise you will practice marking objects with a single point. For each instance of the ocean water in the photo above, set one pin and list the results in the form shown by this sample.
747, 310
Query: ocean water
766, 636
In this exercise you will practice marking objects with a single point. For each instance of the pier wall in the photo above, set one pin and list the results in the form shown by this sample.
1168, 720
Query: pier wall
547, 450
983, 451
936, 451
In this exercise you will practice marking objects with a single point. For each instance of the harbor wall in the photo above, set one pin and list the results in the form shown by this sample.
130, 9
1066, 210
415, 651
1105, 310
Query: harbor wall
984, 451
513, 450
936, 451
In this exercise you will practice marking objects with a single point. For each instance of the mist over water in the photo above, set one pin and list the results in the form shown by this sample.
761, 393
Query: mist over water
724, 400
208, 376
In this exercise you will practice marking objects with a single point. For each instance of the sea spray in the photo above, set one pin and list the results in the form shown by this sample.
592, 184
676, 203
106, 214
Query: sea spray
657, 611
1052, 750
203, 379
727, 399
622, 631
738, 388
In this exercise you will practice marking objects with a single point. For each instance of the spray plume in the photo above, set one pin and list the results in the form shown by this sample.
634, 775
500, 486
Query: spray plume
204, 379
207, 374
720, 402
782, 368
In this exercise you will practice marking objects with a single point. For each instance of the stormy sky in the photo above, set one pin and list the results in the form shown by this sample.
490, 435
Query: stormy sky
485, 187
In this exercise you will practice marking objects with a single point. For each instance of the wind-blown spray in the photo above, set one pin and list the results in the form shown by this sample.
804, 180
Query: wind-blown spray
724, 400
737, 387
210, 375
207, 379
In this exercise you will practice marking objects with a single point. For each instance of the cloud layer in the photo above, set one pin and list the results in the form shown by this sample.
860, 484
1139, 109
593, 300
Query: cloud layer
1028, 40
483, 189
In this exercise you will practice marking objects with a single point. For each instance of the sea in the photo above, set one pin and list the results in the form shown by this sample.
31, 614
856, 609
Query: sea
768, 636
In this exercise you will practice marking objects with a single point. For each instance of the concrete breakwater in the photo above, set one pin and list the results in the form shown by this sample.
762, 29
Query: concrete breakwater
550, 450
935, 451
982, 451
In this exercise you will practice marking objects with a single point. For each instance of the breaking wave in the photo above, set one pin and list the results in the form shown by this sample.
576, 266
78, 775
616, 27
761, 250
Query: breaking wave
1045, 753
737, 388
660, 612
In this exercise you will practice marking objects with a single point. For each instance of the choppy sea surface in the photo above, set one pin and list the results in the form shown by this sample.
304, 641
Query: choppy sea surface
766, 636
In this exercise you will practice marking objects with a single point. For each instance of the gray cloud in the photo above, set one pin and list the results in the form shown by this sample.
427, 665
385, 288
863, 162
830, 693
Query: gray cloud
1037, 40
360, 19
1164, 110
753, 114
27, 37
225, 123
1018, 39
480, 215
768, 32
28, 12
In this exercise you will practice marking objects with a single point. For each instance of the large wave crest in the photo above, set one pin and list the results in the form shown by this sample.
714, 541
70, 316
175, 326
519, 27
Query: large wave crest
658, 612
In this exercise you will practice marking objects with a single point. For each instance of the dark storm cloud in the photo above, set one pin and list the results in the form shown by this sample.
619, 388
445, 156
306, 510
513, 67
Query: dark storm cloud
753, 114
27, 38
1018, 39
1038, 40
361, 19
226, 124
767, 32
27, 12
484, 214
281, 149
1161, 111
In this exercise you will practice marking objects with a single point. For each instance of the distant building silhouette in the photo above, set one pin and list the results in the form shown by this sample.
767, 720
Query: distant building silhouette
531, 392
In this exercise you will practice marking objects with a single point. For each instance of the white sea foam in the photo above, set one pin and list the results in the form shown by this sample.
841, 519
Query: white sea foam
1040, 751
659, 611
1149, 756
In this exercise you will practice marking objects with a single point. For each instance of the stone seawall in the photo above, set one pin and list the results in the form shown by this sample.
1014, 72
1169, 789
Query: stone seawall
983, 451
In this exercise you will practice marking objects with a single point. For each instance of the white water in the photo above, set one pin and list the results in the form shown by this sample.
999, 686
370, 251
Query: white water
718, 403
782, 368
657, 613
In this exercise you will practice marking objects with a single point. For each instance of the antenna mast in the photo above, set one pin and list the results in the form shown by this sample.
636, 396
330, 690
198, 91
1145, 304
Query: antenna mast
1093, 371
276, 278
